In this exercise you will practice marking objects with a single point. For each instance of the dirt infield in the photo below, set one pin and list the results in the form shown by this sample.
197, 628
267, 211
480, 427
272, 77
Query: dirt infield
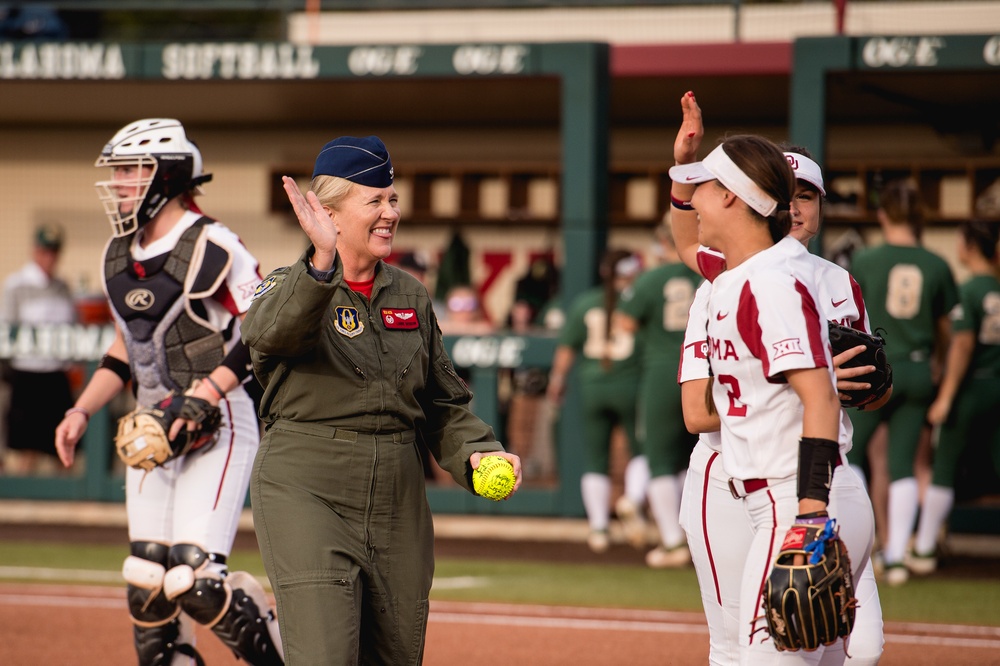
89, 626
44, 624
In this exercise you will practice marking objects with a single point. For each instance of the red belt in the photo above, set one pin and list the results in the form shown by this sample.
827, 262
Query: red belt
741, 489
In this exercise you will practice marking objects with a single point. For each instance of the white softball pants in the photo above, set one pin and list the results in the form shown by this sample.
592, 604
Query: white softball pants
198, 499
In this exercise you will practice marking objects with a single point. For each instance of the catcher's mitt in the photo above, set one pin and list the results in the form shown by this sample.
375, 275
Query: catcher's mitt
142, 440
810, 604
843, 338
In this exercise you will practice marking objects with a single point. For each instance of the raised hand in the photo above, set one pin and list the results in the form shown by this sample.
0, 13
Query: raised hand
315, 222
691, 131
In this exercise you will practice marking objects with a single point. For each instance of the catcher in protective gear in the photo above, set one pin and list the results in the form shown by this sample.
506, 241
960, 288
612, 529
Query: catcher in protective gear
844, 338
809, 595
143, 440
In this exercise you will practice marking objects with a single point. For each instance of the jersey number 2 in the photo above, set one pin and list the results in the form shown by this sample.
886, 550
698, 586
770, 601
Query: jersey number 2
733, 391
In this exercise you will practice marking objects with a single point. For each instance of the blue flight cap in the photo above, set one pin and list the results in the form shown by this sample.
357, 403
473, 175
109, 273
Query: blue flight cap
364, 161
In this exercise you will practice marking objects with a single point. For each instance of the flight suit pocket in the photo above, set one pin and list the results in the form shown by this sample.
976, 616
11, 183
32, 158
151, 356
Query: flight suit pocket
411, 366
416, 655
448, 377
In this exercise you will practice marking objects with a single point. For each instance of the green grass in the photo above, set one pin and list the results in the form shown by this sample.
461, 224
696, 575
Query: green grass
621, 586
932, 599
94, 557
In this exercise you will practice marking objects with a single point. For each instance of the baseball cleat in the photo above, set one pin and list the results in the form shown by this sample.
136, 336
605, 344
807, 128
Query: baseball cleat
896, 574
632, 520
598, 541
662, 557
921, 565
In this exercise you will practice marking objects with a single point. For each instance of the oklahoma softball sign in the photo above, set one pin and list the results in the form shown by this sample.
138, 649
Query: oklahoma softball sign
61, 61
64, 342
928, 52
242, 61
247, 61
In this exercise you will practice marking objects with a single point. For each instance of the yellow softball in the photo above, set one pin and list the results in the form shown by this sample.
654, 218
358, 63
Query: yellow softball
494, 478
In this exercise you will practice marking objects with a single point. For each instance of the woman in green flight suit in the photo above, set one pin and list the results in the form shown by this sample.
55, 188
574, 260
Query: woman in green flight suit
349, 353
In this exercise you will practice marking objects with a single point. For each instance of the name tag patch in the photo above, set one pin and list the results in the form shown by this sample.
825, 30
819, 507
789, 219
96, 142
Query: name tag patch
400, 318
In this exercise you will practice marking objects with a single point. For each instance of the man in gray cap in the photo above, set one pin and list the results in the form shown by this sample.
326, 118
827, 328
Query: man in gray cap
35, 298
354, 371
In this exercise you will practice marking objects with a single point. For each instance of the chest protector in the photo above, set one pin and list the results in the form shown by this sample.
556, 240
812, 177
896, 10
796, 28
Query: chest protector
159, 307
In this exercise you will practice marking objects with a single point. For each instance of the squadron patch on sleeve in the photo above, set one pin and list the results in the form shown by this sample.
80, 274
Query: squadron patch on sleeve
400, 318
347, 322
265, 286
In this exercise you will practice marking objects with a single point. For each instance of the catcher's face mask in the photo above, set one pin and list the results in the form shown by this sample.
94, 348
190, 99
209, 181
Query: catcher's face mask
152, 161
124, 194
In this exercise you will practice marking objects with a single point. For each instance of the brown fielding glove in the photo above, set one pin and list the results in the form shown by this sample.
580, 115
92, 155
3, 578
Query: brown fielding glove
811, 604
843, 338
142, 433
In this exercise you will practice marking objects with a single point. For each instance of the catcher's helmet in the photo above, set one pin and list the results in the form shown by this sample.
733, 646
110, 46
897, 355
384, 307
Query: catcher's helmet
133, 197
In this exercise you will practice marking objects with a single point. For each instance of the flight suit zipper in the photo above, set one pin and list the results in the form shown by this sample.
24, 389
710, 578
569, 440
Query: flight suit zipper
369, 545
350, 361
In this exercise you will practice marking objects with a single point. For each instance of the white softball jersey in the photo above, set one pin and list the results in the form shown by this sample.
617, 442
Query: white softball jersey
199, 498
241, 280
840, 300
763, 320
721, 536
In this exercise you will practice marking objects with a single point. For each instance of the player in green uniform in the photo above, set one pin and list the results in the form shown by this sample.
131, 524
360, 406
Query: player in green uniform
656, 307
608, 376
909, 291
967, 402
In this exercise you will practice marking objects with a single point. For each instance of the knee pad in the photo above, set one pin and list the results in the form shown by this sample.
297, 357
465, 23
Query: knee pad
234, 607
144, 573
190, 582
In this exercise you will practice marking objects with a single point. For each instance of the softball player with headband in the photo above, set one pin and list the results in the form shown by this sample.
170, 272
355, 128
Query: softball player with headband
707, 499
178, 284
774, 385
717, 529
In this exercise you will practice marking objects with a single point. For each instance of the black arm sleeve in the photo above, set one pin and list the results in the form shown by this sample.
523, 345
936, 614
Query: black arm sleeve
238, 360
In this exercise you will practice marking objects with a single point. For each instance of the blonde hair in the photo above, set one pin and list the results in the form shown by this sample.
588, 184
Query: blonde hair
331, 190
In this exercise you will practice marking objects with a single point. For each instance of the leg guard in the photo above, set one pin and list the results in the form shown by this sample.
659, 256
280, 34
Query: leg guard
233, 607
155, 618
249, 626
156, 646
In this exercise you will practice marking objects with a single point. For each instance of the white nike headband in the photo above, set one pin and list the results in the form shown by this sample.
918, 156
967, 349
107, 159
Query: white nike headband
807, 170
718, 166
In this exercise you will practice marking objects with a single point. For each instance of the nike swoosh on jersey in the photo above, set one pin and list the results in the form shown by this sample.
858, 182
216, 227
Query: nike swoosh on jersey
720, 316
837, 304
